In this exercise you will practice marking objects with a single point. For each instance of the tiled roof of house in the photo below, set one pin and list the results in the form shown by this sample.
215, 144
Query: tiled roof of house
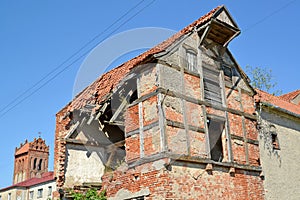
98, 90
290, 96
46, 177
277, 102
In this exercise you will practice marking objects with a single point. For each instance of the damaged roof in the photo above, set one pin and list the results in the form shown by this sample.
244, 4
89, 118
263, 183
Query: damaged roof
98, 91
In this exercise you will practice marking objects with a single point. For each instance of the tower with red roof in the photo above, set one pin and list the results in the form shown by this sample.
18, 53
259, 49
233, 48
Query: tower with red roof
31, 160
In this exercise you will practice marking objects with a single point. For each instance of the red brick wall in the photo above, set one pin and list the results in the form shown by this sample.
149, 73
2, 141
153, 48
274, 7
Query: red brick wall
62, 123
186, 181
132, 119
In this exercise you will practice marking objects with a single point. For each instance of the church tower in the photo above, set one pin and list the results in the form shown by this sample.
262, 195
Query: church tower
31, 160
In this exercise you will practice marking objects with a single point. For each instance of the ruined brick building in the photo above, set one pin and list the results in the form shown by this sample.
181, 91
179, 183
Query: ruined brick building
176, 122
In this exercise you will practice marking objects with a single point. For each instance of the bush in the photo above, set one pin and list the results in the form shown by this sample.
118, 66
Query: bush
91, 194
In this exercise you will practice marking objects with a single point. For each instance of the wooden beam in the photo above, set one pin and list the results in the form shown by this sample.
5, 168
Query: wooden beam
101, 111
121, 107
92, 117
101, 127
206, 31
115, 123
74, 127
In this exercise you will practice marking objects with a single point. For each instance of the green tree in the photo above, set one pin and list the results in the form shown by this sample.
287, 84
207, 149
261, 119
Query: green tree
263, 79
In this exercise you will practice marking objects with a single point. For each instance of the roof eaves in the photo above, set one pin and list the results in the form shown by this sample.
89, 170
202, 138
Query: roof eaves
223, 7
280, 109
241, 71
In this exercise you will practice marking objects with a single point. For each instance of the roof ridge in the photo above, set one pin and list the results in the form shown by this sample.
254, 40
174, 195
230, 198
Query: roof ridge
290, 96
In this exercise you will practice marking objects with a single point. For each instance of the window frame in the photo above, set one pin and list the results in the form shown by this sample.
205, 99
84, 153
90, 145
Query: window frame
211, 82
216, 137
191, 54
40, 193
228, 78
31, 194
49, 191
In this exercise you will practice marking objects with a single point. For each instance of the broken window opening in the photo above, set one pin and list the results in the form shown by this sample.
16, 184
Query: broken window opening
125, 95
212, 87
113, 120
227, 74
103, 132
215, 131
274, 138
133, 97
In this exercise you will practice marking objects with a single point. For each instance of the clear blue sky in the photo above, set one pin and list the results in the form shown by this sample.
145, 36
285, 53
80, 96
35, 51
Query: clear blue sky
37, 36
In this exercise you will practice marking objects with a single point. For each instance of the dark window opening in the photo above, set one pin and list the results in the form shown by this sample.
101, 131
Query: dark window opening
227, 74
212, 88
133, 97
274, 137
39, 167
31, 195
215, 130
40, 193
34, 163
50, 191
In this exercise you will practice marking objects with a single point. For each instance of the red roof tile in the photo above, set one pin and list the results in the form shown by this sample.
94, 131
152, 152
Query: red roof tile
29, 145
277, 101
48, 176
98, 90
23, 149
290, 96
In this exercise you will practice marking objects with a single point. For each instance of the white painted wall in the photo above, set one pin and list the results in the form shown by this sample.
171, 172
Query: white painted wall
22, 193
45, 188
281, 167
83, 164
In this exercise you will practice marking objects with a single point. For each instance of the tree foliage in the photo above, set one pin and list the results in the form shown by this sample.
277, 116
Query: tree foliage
263, 79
